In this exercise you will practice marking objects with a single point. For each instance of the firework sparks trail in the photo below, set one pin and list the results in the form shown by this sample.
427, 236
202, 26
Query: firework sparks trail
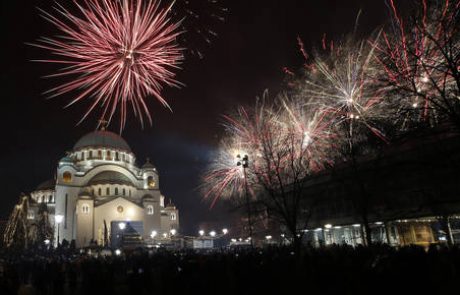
341, 86
412, 58
283, 138
200, 20
117, 53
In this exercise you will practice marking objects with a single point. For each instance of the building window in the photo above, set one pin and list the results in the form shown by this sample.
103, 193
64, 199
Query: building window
150, 210
99, 192
30, 214
117, 156
120, 209
130, 193
67, 177
107, 191
116, 191
90, 154
123, 157
85, 208
99, 154
150, 182
109, 156
124, 192
173, 216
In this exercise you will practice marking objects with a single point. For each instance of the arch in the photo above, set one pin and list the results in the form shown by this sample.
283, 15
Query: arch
151, 183
150, 210
67, 177
111, 167
85, 209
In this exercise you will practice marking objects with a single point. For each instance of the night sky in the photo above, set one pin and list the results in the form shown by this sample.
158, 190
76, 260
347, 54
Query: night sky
257, 40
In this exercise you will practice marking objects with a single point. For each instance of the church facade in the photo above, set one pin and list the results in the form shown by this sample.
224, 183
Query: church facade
98, 187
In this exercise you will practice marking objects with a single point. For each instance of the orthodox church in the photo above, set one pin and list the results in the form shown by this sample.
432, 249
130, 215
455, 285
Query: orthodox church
99, 190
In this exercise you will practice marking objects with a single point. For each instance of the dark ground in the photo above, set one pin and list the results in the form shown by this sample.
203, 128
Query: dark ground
332, 270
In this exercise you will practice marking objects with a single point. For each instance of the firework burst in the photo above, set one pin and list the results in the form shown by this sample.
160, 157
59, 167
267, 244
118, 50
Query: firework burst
117, 52
284, 141
341, 86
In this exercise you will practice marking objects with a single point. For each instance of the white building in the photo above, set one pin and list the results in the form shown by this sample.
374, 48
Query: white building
97, 186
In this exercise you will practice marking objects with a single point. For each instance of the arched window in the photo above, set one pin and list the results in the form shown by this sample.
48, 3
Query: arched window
149, 209
130, 193
99, 192
123, 157
67, 177
124, 192
109, 155
107, 191
99, 154
116, 191
173, 216
117, 156
85, 208
30, 214
50, 198
90, 154
151, 182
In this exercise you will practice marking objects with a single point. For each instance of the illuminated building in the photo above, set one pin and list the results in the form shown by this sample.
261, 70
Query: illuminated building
98, 186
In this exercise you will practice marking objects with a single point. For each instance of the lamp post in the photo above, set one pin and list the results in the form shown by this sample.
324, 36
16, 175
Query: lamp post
58, 219
244, 163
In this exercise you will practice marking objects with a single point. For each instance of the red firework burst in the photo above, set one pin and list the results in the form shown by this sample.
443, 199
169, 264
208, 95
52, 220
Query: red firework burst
118, 52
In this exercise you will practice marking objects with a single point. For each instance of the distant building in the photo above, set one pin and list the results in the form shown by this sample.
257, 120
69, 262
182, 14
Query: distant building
98, 186
410, 194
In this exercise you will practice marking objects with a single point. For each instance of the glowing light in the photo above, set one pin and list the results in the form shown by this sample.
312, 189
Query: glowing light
118, 252
121, 225
268, 238
328, 226
59, 218
225, 231
153, 234
201, 232
116, 54
212, 233
173, 232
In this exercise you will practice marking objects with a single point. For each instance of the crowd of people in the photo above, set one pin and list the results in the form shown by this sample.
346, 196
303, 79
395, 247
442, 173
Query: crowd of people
336, 269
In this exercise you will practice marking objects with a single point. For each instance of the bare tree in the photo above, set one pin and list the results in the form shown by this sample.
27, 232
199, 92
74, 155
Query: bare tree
419, 60
282, 142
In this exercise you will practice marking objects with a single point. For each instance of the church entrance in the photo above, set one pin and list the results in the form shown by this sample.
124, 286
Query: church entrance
126, 234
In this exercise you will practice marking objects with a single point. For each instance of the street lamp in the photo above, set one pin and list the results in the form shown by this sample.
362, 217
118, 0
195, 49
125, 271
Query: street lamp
244, 163
58, 219
201, 232
224, 231
173, 232
153, 234
212, 233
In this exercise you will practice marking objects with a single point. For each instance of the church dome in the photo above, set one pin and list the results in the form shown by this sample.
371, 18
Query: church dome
47, 185
110, 177
102, 138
